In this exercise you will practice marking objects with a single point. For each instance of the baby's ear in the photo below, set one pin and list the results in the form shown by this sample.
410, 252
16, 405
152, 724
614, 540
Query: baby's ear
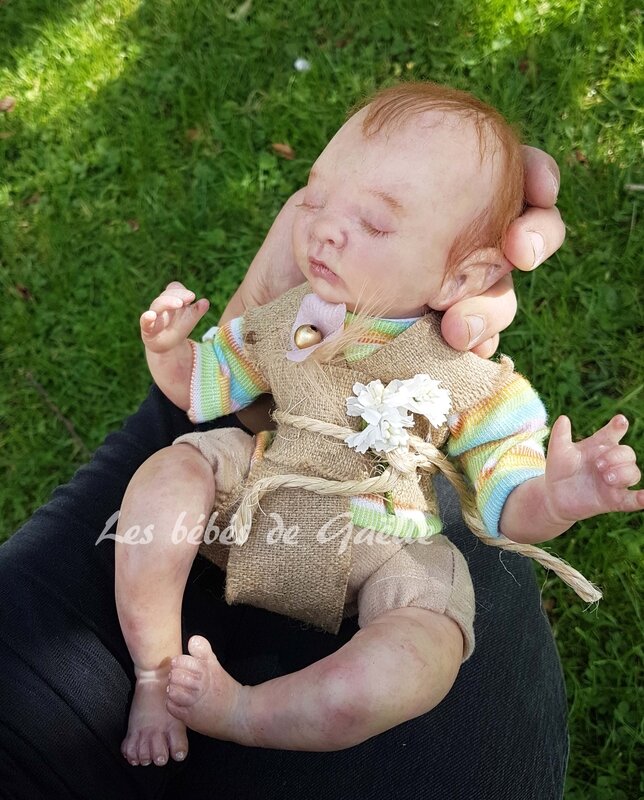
472, 276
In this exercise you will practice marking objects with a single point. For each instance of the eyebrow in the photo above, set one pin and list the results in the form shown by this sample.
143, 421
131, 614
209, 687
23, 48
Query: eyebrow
389, 199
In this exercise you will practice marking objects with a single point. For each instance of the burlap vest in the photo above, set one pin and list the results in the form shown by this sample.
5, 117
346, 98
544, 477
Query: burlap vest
299, 569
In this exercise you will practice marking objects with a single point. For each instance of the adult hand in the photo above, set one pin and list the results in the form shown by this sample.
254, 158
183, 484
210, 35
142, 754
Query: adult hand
273, 271
475, 323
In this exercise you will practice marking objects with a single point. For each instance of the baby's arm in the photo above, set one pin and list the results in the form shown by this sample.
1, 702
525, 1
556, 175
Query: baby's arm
207, 379
581, 480
520, 493
165, 327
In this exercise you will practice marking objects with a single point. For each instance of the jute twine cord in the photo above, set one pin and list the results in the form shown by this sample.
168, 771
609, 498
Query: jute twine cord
420, 455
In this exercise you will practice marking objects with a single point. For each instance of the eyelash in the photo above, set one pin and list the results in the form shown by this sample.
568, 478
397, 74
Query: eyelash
376, 232
366, 226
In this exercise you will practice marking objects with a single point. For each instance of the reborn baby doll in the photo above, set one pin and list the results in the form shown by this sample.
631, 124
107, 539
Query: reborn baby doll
404, 214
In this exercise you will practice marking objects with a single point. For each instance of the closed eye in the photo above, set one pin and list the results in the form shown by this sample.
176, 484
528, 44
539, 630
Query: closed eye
312, 201
371, 230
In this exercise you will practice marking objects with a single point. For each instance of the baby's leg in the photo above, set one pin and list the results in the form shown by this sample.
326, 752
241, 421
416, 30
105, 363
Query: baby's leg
171, 495
400, 664
150, 581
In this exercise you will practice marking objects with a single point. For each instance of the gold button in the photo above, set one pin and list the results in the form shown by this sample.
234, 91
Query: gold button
306, 336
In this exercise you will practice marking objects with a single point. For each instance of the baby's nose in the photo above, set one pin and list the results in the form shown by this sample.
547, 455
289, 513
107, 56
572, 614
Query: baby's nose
329, 230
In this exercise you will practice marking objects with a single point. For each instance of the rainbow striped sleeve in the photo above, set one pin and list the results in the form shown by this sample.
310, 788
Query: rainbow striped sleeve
499, 444
224, 379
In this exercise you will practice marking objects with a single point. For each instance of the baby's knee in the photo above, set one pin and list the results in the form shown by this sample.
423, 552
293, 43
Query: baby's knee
189, 463
227, 452
427, 583
425, 637
175, 465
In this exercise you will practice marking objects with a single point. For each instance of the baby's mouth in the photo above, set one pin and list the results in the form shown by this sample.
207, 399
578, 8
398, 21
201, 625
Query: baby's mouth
320, 269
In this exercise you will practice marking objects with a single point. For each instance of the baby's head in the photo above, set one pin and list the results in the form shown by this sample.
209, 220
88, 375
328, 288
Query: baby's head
408, 204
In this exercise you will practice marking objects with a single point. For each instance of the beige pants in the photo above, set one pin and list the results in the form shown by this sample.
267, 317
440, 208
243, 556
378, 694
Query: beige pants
386, 573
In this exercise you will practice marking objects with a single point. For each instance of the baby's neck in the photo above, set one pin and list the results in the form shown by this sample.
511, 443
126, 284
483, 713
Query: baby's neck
399, 316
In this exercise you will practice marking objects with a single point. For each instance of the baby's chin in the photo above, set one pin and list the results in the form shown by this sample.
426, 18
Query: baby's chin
383, 311
366, 306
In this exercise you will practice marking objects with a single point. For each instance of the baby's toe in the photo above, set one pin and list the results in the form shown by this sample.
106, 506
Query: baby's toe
200, 648
159, 749
185, 662
186, 678
182, 695
130, 749
178, 743
145, 759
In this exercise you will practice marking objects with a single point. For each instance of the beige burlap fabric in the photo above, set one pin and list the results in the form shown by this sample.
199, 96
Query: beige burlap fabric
308, 580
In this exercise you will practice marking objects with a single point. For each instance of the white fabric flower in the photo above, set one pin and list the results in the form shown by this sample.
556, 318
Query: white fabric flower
371, 402
387, 411
428, 399
388, 433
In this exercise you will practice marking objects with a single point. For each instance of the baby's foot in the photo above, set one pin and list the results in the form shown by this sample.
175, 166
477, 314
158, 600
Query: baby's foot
153, 733
203, 695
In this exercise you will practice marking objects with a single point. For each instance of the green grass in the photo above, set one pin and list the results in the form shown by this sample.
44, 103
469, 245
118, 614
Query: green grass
140, 151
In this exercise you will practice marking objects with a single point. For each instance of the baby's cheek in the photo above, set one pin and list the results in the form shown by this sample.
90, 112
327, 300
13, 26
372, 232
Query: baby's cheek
301, 231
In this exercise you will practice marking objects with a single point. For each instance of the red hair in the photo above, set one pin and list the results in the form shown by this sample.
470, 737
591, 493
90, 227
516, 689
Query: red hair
395, 105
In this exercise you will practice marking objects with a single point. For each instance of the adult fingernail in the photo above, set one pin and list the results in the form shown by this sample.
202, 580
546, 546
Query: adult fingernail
475, 327
538, 248
555, 183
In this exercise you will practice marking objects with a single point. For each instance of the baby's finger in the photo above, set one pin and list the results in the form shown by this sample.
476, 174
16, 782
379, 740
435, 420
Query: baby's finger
560, 438
179, 290
183, 323
631, 501
153, 323
148, 322
615, 457
166, 302
611, 433
621, 475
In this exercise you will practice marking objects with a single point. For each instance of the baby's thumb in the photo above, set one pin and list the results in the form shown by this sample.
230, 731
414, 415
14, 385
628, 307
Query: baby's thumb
560, 437
199, 308
191, 316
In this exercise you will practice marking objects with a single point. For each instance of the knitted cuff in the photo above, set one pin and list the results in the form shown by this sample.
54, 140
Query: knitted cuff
491, 506
205, 400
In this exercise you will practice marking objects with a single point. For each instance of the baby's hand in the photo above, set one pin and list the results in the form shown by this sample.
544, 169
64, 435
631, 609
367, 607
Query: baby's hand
171, 318
591, 477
